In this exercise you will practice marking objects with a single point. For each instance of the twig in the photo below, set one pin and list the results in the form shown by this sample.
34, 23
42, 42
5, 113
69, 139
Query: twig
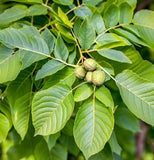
142, 5
140, 140
32, 20
81, 55
49, 8
46, 2
88, 51
78, 2
119, 25
50, 23
73, 9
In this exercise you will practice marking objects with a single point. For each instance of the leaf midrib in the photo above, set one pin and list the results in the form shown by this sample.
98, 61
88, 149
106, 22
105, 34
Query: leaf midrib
6, 59
26, 49
53, 111
134, 93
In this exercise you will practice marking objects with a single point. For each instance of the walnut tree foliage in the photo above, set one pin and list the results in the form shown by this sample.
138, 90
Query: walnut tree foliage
46, 113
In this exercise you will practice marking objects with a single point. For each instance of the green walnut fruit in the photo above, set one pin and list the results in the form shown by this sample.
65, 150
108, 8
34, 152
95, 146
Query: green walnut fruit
89, 77
98, 77
80, 157
80, 72
90, 64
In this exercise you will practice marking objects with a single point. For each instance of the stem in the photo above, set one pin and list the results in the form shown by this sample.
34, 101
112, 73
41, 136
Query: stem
73, 18
71, 65
50, 23
45, 5
46, 2
78, 2
103, 68
32, 20
74, 8
106, 72
49, 8
81, 55
3, 93
89, 51
79, 85
108, 30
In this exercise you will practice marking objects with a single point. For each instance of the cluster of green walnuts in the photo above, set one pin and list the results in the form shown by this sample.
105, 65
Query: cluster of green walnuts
89, 71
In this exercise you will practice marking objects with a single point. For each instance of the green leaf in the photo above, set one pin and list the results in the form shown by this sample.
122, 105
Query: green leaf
111, 16
36, 9
72, 57
10, 64
107, 66
97, 22
27, 1
61, 51
66, 34
137, 94
68, 129
28, 58
65, 76
86, 35
132, 3
18, 151
128, 144
52, 106
32, 46
64, 2
23, 39
125, 119
83, 12
59, 152
130, 36
69, 143
4, 125
114, 55
77, 25
49, 68
91, 3
19, 94
83, 92
105, 154
49, 39
13, 14
5, 109
143, 68
64, 18
126, 13
110, 40
51, 140
103, 94
115, 147
146, 30
41, 150
93, 127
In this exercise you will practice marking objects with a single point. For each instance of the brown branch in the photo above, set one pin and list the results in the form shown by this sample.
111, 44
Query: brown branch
140, 140
143, 5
